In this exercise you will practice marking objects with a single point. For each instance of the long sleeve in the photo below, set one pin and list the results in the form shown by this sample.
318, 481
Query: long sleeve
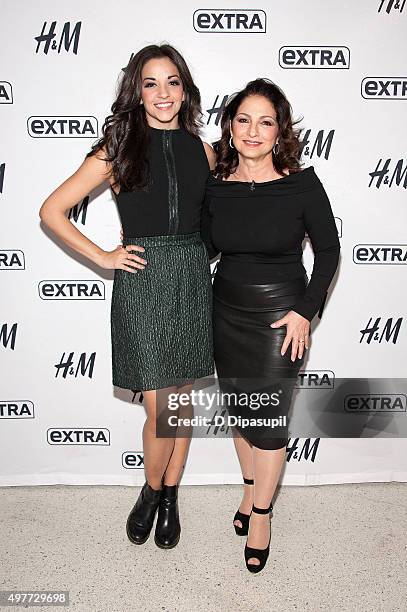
321, 228
206, 222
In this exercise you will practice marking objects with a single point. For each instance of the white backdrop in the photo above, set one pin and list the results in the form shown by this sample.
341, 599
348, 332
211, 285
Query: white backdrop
341, 64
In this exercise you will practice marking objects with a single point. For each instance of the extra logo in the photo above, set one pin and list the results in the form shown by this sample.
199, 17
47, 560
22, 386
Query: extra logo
318, 145
6, 93
386, 6
232, 21
391, 402
63, 127
327, 58
16, 409
133, 460
306, 451
66, 39
387, 174
378, 331
380, 254
315, 379
12, 260
8, 336
75, 437
71, 290
80, 367
384, 88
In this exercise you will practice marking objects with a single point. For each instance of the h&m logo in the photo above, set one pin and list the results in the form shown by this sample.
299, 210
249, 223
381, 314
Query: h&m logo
308, 451
217, 109
67, 366
320, 145
2, 171
388, 5
385, 176
79, 209
236, 21
388, 333
62, 127
8, 338
66, 39
314, 57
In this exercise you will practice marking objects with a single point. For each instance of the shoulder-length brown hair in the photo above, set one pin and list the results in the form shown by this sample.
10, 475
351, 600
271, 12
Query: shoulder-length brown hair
289, 147
125, 132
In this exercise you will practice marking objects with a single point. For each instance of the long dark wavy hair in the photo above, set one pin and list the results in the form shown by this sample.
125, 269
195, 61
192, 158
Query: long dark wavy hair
125, 132
289, 149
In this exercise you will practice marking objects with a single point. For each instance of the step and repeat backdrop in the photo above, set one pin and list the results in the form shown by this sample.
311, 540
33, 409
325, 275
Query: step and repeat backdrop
342, 66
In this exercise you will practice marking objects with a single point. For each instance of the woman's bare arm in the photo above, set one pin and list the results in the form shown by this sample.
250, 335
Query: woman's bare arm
90, 174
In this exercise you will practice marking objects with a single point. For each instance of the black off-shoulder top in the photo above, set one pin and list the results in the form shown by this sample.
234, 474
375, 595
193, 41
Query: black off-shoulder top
259, 229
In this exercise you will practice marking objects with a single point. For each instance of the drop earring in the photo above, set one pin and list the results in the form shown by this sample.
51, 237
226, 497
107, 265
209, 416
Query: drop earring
276, 148
231, 143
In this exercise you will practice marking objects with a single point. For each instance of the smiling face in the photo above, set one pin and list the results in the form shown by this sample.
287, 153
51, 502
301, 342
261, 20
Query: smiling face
254, 128
162, 93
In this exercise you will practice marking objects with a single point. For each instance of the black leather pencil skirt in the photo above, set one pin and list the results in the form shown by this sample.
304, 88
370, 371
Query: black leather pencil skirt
256, 381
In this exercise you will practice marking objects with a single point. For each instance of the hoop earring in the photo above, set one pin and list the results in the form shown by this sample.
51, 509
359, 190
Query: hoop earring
230, 143
276, 148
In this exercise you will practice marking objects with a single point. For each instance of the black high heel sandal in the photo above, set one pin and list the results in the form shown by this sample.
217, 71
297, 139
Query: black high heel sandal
261, 554
243, 518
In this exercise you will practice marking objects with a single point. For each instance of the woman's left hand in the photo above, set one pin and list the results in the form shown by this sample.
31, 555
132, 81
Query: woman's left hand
297, 333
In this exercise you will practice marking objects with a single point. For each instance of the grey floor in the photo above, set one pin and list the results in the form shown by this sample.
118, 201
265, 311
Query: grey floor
339, 547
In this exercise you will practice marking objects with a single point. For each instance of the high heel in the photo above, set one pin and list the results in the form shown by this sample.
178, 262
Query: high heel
261, 554
243, 518
141, 518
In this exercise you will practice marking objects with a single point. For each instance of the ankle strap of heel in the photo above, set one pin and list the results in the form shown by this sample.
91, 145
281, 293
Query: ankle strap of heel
262, 510
248, 481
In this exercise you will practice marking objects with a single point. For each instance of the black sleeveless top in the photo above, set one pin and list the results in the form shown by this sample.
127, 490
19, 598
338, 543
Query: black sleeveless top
259, 229
179, 170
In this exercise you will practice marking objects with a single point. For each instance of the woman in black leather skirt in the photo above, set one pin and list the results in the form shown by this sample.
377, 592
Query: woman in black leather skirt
259, 206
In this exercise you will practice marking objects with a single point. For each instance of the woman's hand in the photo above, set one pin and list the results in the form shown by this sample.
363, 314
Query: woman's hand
297, 333
120, 258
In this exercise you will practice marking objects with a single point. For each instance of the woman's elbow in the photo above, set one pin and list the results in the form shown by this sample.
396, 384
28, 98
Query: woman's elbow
43, 212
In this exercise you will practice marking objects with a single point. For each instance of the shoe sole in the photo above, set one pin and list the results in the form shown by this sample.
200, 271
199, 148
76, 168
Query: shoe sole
166, 546
139, 541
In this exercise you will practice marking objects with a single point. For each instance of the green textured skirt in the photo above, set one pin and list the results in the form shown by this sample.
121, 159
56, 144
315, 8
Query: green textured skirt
161, 317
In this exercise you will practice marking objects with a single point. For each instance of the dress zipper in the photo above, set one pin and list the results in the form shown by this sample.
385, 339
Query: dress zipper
252, 187
172, 182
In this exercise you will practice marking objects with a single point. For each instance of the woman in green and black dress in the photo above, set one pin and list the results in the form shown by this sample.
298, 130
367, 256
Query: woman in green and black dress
157, 167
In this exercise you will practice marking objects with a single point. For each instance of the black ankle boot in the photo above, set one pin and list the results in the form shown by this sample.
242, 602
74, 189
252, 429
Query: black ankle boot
168, 528
141, 517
